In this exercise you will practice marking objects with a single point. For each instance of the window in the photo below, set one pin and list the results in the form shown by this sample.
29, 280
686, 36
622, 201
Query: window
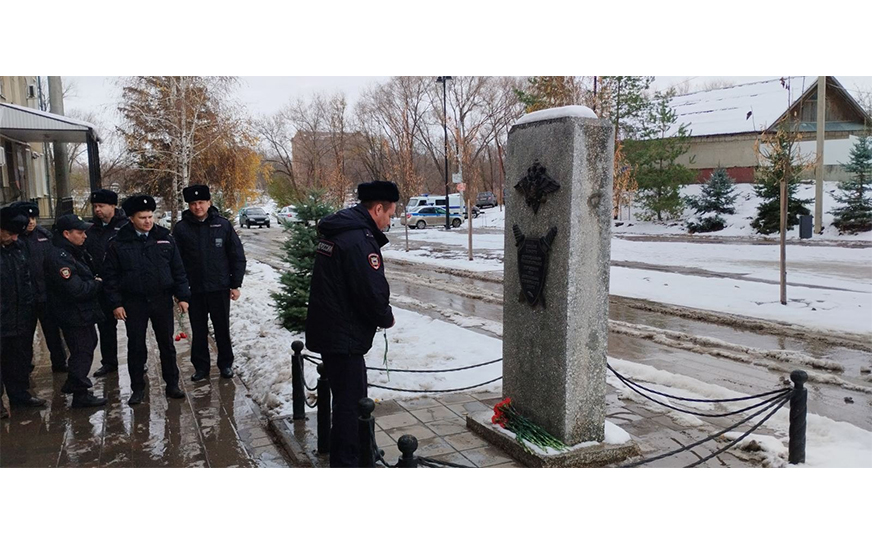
440, 202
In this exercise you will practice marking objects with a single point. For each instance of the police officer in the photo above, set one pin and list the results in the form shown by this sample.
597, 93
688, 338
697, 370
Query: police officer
349, 299
108, 219
38, 240
142, 271
16, 311
73, 297
215, 264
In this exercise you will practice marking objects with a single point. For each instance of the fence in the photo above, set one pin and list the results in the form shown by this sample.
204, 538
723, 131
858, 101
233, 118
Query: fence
371, 456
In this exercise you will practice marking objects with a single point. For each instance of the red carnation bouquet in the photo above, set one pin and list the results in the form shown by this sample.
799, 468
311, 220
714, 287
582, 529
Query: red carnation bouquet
507, 417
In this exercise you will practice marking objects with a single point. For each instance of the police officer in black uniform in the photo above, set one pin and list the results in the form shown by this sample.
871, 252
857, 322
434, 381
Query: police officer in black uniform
142, 272
73, 297
38, 240
108, 219
348, 301
215, 264
17, 302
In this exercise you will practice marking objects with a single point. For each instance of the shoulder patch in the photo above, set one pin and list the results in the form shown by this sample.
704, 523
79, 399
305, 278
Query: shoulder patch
215, 225
325, 247
41, 239
66, 273
374, 261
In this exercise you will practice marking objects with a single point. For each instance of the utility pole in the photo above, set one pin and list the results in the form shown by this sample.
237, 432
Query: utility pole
819, 181
62, 177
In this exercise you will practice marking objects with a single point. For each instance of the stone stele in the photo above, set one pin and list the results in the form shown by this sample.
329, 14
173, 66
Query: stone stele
554, 351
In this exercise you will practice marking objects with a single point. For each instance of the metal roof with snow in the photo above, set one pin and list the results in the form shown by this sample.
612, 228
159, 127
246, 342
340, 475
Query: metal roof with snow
746, 108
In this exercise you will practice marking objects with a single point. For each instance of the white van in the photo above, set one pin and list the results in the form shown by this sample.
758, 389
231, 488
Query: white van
455, 203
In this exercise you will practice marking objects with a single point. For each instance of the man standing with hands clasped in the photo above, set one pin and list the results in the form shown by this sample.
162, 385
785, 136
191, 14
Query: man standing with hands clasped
142, 272
349, 299
215, 264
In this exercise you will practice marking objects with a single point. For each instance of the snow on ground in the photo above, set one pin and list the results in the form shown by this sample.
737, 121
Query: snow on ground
816, 308
739, 224
263, 350
829, 443
263, 360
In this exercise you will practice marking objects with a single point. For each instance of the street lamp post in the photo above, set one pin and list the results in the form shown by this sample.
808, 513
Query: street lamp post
444, 80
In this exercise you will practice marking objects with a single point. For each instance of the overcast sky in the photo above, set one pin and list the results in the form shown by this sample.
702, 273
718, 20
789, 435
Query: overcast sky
267, 94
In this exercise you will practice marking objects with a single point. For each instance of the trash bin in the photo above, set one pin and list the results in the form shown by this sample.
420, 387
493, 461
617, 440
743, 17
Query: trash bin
805, 226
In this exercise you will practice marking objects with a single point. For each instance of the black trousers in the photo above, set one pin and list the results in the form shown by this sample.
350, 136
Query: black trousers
347, 376
108, 336
52, 334
217, 305
160, 311
14, 366
81, 341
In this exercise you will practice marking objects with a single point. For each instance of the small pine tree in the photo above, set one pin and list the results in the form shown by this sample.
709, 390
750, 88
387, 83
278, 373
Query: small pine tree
718, 196
856, 214
779, 159
654, 162
293, 300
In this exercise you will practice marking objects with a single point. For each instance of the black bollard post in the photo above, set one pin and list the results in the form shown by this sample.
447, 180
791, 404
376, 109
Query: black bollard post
323, 411
798, 410
366, 433
298, 391
408, 444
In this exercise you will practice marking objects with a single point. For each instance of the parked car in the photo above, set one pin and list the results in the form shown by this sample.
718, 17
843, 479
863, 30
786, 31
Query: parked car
289, 214
486, 199
425, 216
253, 216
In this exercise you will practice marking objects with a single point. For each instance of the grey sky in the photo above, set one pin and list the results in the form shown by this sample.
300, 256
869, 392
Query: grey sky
267, 94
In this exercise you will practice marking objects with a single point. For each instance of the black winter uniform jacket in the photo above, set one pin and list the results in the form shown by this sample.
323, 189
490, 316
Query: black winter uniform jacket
39, 246
350, 296
211, 251
16, 291
133, 268
99, 235
72, 289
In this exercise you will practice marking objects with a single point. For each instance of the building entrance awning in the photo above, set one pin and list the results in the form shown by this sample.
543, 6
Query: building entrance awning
30, 125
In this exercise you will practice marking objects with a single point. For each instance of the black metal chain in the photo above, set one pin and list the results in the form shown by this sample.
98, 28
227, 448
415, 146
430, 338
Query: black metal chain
691, 400
312, 357
746, 434
430, 462
433, 370
710, 437
379, 457
434, 391
695, 413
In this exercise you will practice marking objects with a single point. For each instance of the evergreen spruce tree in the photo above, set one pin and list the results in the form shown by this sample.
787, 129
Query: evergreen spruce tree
654, 162
718, 196
293, 299
780, 158
856, 214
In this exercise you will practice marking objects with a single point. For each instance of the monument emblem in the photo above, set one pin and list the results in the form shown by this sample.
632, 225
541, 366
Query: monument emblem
536, 185
533, 264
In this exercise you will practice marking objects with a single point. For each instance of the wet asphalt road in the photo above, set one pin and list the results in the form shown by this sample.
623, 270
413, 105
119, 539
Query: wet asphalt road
828, 400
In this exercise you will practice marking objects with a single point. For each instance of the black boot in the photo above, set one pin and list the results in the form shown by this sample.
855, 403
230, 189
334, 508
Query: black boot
227, 373
175, 392
29, 401
136, 397
105, 370
87, 399
199, 375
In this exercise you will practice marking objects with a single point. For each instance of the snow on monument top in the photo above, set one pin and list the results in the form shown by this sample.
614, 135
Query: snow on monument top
556, 113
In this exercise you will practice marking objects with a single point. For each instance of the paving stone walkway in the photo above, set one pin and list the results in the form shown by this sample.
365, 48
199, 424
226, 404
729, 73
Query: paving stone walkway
216, 425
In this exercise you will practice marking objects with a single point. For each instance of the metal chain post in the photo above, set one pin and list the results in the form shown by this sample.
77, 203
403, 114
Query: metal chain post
408, 444
298, 391
323, 411
798, 413
366, 432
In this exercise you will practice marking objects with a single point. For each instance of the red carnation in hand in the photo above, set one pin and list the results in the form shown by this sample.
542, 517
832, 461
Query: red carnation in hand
178, 337
183, 335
